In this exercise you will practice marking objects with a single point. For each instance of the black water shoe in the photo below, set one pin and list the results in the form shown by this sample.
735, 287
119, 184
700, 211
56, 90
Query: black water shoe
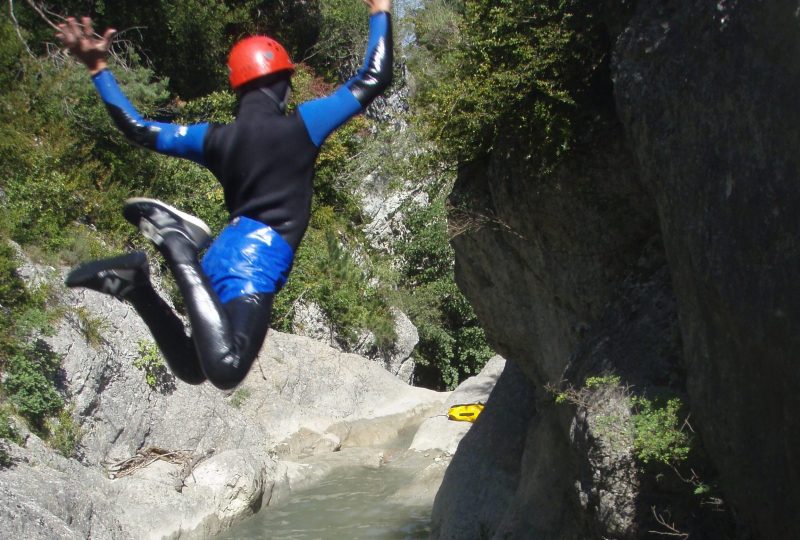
116, 276
156, 220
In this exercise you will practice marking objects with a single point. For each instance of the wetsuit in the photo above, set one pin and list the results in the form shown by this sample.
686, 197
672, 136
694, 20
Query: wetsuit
265, 163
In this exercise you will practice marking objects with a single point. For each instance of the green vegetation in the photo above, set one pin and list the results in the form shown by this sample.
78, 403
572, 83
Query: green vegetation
152, 364
7, 433
239, 397
29, 375
452, 345
659, 434
654, 430
90, 326
188, 40
5, 457
343, 33
29, 367
65, 433
538, 70
599, 382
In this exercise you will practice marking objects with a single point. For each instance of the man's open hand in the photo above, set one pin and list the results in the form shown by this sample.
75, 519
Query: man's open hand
84, 44
376, 6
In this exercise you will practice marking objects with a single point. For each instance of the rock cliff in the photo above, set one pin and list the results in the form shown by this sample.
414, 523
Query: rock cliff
174, 460
662, 251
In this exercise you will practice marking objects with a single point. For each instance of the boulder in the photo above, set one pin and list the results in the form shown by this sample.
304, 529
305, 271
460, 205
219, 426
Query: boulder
310, 321
441, 433
45, 496
481, 481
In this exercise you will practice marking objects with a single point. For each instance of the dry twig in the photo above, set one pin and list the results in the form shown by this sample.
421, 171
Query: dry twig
143, 458
16, 28
41, 14
671, 530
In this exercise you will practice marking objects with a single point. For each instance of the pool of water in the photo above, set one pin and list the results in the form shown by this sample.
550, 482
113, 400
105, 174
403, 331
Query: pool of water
352, 502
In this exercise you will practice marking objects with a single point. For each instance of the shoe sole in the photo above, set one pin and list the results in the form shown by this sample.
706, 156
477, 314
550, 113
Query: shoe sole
91, 270
151, 232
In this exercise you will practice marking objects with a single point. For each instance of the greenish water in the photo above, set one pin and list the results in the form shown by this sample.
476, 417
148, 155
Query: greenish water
351, 503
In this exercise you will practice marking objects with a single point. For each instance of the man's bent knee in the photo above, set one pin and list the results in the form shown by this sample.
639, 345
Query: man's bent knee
227, 372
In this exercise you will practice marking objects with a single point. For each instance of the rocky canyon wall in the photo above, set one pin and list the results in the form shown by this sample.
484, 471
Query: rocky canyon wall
663, 252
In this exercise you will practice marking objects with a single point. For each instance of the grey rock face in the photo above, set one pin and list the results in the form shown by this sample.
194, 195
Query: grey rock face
230, 440
310, 321
660, 252
541, 266
716, 135
538, 265
384, 204
396, 360
119, 412
577, 477
42, 489
481, 481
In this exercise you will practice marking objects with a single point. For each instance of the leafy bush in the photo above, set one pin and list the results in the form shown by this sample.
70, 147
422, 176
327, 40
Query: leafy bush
65, 433
655, 430
452, 344
538, 69
62, 163
343, 36
152, 364
30, 373
7, 430
215, 107
658, 431
189, 40
29, 365
325, 272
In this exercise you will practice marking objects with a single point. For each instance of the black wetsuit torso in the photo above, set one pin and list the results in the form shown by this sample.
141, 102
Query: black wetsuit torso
265, 163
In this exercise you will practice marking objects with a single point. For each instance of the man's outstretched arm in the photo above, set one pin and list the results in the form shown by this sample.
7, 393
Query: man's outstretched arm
375, 75
170, 139
322, 116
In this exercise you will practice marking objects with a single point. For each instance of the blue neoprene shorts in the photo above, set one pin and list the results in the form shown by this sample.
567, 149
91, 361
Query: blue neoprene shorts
248, 257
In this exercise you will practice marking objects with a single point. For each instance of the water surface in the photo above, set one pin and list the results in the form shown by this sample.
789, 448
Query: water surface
351, 503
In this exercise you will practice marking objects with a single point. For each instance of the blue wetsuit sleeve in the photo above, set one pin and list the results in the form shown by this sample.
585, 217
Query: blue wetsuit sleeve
170, 139
322, 116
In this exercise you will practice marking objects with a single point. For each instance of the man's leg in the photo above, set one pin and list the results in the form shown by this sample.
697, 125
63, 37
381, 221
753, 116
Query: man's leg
227, 337
127, 278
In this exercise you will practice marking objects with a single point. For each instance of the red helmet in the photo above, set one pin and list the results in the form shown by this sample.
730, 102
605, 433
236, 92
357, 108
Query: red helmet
255, 57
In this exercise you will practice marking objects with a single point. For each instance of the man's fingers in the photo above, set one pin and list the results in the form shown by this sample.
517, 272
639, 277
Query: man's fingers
88, 30
107, 35
65, 35
74, 29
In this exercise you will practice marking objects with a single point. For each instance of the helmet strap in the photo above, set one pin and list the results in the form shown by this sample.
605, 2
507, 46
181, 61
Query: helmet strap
274, 97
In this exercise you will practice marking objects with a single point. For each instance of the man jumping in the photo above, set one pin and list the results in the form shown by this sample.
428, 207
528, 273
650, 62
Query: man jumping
265, 163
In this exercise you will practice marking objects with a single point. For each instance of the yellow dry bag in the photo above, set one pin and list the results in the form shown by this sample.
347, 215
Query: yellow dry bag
465, 413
